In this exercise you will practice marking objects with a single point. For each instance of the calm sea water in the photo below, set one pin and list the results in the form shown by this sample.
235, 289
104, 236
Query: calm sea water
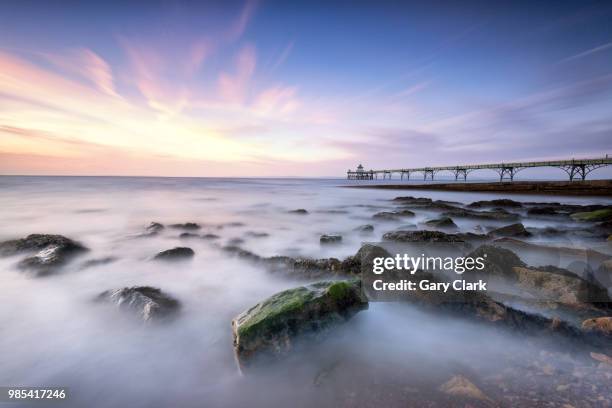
51, 333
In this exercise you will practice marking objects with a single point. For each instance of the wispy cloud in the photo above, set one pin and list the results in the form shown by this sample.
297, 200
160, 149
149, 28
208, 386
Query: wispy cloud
586, 53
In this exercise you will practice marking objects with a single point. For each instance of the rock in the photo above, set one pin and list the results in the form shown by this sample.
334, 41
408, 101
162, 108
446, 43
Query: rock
54, 251
499, 262
330, 239
210, 236
97, 262
497, 214
365, 229
271, 327
601, 325
146, 302
413, 200
175, 254
512, 230
443, 222
186, 226
421, 236
602, 357
153, 229
254, 234
594, 216
392, 215
542, 211
504, 202
235, 241
459, 386
187, 235
299, 211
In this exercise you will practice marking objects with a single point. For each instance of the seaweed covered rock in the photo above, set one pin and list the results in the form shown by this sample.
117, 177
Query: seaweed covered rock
601, 325
392, 215
271, 327
495, 214
144, 301
175, 254
52, 252
604, 214
422, 236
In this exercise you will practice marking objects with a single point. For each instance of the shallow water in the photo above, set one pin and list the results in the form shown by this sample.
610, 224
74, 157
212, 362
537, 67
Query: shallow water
53, 334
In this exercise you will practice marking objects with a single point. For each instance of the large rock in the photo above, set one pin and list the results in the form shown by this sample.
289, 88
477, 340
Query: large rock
512, 230
393, 215
422, 236
175, 254
442, 222
186, 226
271, 327
143, 301
495, 214
499, 262
52, 252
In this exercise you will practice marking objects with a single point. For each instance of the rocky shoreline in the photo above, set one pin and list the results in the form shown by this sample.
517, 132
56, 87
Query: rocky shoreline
582, 188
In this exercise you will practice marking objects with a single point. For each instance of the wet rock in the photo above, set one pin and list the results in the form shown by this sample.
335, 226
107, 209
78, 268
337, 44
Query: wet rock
443, 222
210, 236
422, 236
236, 241
546, 211
604, 214
497, 214
186, 226
271, 327
512, 230
365, 229
601, 325
602, 358
53, 251
147, 303
330, 239
461, 387
412, 200
393, 215
187, 235
499, 262
504, 203
299, 211
175, 254
242, 253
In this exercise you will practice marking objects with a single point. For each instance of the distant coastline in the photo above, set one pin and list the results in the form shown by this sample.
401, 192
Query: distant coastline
588, 187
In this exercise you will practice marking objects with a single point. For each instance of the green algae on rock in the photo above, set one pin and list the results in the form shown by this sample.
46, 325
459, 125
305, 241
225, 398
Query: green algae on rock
604, 214
271, 326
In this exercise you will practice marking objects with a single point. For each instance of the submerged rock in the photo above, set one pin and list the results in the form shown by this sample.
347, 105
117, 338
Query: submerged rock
54, 251
175, 254
299, 211
365, 229
413, 200
461, 387
512, 230
154, 228
144, 301
548, 211
187, 235
503, 202
97, 262
443, 222
210, 236
495, 214
330, 239
271, 327
392, 215
186, 226
255, 234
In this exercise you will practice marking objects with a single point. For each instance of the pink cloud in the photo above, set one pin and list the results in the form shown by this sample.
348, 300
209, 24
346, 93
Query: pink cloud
233, 88
238, 27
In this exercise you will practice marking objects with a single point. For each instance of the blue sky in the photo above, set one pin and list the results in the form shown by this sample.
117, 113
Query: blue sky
299, 88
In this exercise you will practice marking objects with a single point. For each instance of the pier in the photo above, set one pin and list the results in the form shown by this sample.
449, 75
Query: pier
576, 169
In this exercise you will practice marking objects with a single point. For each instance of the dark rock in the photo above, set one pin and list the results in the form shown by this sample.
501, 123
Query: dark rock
542, 211
330, 239
186, 226
54, 251
499, 214
97, 262
604, 214
299, 211
499, 262
512, 230
236, 241
149, 304
393, 215
271, 327
210, 236
187, 235
366, 229
154, 228
175, 254
254, 234
443, 222
504, 202
421, 236
412, 200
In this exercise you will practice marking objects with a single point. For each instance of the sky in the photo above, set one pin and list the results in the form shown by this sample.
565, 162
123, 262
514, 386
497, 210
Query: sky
277, 88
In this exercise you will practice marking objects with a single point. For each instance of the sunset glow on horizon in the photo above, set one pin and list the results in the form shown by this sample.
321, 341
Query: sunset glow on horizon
264, 89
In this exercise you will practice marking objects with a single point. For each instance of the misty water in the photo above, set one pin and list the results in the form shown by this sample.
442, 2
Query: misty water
53, 334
